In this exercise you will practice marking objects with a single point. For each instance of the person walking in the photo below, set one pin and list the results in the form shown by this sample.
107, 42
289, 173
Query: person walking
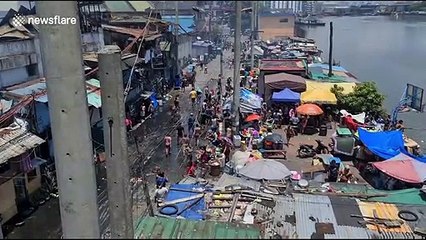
289, 132
191, 122
193, 96
180, 129
176, 103
167, 144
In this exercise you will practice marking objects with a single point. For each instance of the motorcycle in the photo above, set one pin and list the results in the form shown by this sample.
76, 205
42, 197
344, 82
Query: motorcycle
321, 148
306, 150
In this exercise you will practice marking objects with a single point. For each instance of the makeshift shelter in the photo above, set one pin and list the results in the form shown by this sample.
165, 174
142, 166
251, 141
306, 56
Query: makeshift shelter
265, 169
404, 168
257, 51
279, 81
180, 191
320, 92
383, 144
249, 102
286, 96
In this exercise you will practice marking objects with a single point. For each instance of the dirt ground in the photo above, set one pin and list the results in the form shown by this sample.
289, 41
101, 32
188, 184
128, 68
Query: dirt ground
295, 163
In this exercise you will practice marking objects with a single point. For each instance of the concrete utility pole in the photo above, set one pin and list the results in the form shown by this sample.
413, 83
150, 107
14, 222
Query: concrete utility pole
330, 52
176, 28
115, 140
69, 115
221, 63
253, 15
237, 59
210, 13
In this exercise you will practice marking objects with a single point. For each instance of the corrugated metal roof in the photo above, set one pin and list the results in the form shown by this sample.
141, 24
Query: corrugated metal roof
348, 232
384, 210
186, 22
141, 6
93, 96
284, 218
16, 142
28, 90
282, 65
166, 228
94, 82
312, 211
227, 180
118, 6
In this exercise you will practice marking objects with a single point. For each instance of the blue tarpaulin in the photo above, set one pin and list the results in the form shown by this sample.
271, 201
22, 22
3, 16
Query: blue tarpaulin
385, 144
194, 212
286, 95
154, 101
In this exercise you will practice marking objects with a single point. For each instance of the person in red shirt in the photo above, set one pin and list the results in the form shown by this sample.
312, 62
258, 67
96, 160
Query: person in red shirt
190, 170
167, 144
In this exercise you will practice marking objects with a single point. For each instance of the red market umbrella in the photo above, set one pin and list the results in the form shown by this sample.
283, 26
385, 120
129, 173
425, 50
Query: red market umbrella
309, 109
404, 168
253, 117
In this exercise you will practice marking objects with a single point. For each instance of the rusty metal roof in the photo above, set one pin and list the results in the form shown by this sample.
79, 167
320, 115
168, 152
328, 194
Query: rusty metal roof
282, 65
16, 140
167, 228
314, 216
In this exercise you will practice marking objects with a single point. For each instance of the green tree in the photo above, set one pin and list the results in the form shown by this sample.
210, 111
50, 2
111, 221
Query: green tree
365, 98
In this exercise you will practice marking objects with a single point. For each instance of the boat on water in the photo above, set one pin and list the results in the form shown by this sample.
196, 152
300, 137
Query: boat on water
309, 21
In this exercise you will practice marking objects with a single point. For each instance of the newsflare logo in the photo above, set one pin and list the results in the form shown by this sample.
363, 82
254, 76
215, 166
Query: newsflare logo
19, 20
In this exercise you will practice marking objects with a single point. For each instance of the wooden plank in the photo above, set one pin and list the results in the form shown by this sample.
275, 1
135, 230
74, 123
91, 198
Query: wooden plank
234, 207
181, 200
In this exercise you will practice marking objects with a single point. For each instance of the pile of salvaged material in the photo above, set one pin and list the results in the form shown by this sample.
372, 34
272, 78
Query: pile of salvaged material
235, 205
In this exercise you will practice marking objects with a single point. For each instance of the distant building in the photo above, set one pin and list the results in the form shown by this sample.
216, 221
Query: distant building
308, 7
291, 6
276, 25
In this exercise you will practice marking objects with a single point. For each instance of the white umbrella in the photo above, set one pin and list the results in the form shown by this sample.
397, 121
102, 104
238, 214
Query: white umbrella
265, 169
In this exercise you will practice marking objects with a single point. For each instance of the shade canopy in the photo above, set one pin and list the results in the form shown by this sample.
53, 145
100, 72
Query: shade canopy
253, 117
286, 95
265, 169
320, 92
309, 109
403, 167
284, 80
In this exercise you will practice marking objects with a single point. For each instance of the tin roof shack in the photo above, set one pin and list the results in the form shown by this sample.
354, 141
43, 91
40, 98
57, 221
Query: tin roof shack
201, 48
277, 25
20, 175
289, 66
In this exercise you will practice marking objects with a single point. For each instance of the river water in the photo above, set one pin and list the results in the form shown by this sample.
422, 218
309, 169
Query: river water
388, 51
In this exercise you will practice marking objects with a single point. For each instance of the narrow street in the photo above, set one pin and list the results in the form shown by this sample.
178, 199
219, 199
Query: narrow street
152, 151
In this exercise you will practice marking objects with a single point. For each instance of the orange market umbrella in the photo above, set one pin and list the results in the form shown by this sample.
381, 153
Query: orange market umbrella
253, 117
309, 109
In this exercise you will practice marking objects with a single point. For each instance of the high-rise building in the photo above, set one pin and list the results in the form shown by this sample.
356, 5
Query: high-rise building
308, 7
293, 6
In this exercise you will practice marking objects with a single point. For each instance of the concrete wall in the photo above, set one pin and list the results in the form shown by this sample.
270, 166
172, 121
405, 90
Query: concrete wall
185, 47
93, 41
276, 27
13, 76
15, 57
8, 207
35, 183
